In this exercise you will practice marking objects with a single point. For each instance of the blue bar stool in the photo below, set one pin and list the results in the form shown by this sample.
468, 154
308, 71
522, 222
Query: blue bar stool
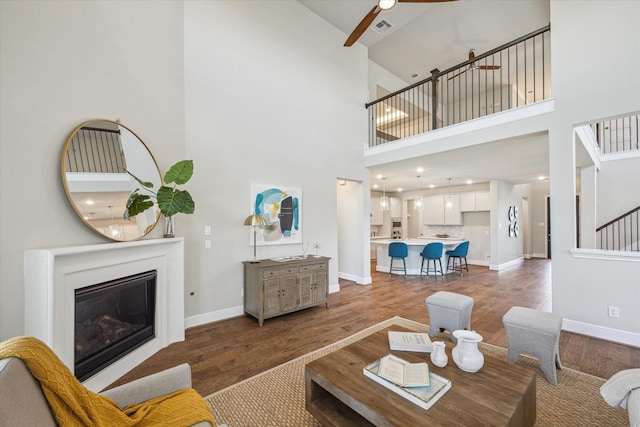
398, 250
460, 254
431, 252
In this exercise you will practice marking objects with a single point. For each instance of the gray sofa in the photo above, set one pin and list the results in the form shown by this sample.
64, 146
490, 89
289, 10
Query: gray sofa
22, 402
623, 389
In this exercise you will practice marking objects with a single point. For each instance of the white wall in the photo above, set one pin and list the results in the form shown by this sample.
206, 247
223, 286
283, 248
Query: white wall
586, 35
272, 97
621, 178
252, 91
63, 63
505, 250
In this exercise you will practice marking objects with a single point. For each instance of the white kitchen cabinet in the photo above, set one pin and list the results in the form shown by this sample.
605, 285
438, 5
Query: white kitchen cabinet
376, 212
396, 207
483, 201
468, 202
453, 216
435, 212
475, 202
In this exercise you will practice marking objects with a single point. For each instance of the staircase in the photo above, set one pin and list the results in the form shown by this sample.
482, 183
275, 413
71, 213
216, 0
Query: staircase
619, 138
621, 233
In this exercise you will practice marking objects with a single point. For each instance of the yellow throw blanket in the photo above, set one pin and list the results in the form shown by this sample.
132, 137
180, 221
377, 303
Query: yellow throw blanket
73, 405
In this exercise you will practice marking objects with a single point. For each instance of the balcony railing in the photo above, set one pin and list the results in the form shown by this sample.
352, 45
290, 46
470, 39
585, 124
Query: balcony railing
618, 135
510, 76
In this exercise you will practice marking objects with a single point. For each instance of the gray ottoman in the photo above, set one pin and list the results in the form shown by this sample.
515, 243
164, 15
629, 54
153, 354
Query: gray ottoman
450, 311
536, 333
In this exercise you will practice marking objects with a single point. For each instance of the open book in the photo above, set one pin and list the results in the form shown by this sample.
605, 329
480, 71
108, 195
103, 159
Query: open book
410, 341
403, 373
424, 397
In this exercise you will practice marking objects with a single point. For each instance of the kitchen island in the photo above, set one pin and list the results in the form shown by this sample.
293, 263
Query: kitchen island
415, 246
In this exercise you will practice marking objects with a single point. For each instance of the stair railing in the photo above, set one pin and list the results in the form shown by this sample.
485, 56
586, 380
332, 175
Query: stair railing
618, 135
621, 233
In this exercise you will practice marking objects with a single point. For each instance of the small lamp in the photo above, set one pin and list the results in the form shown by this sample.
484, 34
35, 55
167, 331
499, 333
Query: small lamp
254, 221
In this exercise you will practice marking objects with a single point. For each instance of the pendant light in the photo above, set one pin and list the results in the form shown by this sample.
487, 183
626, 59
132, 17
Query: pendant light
418, 203
448, 203
384, 200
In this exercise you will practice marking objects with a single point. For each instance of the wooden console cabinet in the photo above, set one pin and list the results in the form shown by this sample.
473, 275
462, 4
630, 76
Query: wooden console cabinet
272, 288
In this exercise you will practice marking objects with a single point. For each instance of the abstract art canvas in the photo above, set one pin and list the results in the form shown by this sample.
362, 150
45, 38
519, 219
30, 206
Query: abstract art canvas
280, 207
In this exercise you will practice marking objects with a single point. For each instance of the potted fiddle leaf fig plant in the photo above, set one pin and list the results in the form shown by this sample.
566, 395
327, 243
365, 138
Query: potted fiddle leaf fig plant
170, 199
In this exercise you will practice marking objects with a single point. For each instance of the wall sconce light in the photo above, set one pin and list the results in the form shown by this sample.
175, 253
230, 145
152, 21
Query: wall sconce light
254, 221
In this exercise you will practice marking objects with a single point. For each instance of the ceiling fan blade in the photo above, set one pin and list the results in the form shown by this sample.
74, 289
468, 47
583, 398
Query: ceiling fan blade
456, 75
488, 67
362, 26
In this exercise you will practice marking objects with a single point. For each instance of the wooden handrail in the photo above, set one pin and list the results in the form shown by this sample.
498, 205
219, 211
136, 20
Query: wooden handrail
613, 221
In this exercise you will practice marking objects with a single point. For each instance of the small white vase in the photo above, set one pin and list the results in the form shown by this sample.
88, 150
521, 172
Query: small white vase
438, 355
466, 354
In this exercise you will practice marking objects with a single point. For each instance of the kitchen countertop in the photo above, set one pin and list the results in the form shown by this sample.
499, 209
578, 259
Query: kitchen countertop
380, 237
420, 241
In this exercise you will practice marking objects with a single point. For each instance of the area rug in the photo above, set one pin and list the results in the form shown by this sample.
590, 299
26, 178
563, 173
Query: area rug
276, 397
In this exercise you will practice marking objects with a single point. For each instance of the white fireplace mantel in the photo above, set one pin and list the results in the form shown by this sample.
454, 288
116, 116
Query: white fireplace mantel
53, 275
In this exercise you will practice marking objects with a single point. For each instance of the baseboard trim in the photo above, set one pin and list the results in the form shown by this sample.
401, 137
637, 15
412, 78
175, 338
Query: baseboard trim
602, 332
354, 278
228, 313
500, 267
213, 316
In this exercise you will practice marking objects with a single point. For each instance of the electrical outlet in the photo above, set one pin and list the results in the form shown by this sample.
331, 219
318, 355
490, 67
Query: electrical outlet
207, 244
614, 311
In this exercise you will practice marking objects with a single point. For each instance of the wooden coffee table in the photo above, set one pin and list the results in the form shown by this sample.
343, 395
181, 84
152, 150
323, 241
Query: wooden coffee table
338, 394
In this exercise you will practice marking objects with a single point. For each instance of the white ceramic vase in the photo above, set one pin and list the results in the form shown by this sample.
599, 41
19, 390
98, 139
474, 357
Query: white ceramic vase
466, 354
438, 355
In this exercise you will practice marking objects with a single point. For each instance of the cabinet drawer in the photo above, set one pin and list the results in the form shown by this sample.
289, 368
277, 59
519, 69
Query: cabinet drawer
277, 272
312, 267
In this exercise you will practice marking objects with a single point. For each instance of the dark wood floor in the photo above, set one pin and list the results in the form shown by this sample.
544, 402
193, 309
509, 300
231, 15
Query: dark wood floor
223, 353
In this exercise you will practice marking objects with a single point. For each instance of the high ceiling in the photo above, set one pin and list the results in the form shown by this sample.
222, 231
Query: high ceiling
426, 36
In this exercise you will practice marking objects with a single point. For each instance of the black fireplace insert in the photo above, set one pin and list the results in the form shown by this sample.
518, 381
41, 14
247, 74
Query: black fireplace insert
112, 319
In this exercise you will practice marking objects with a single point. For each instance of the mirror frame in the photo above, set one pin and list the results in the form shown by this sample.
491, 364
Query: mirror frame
69, 193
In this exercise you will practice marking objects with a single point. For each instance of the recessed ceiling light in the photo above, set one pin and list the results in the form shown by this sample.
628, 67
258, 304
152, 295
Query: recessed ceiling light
379, 176
541, 178
89, 202
469, 181
420, 170
399, 189
375, 185
431, 186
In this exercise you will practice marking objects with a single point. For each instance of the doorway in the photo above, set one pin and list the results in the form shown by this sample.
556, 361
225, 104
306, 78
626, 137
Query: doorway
353, 260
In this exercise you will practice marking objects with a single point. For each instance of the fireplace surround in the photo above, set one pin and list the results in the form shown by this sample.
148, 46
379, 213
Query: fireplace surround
52, 277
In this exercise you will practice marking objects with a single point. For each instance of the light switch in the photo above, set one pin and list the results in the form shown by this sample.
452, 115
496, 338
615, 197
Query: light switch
207, 230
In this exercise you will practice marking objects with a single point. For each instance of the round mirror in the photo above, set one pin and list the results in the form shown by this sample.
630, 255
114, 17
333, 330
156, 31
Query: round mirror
97, 160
